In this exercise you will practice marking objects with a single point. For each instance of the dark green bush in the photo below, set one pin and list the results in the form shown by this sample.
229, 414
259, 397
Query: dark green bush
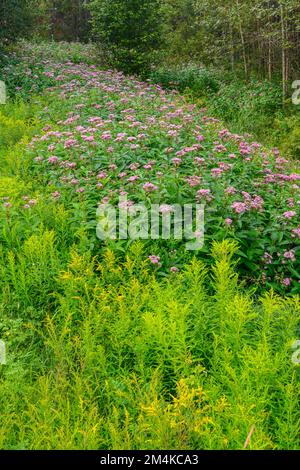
16, 17
130, 30
287, 133
197, 79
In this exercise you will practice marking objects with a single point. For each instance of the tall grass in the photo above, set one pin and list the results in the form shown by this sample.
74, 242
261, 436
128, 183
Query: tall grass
127, 361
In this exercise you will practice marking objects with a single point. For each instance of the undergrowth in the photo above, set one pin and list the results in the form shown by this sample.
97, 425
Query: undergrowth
130, 362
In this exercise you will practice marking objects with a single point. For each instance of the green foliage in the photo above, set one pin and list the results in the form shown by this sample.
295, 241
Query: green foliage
17, 120
133, 363
130, 30
189, 78
287, 133
61, 51
23, 76
16, 17
66, 20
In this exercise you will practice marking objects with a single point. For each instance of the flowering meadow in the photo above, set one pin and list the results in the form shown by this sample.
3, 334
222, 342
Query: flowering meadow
141, 344
115, 136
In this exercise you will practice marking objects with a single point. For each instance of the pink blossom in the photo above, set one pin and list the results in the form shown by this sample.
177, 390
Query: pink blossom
289, 214
106, 136
239, 207
166, 209
216, 172
172, 133
134, 166
88, 138
225, 166
53, 159
193, 180
220, 148
102, 175
290, 255
230, 190
199, 160
126, 204
154, 259
71, 165
204, 194
69, 143
268, 258
174, 270
176, 161
296, 232
257, 203
133, 178
149, 187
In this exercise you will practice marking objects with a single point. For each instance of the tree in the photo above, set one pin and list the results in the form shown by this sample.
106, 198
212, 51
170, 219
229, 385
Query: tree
16, 18
251, 37
130, 30
69, 19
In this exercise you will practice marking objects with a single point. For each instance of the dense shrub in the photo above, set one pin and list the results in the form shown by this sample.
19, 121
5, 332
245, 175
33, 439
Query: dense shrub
287, 133
130, 30
16, 17
198, 80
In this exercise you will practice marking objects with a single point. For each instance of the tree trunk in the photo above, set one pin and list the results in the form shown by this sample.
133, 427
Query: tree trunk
231, 48
283, 54
242, 40
270, 60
